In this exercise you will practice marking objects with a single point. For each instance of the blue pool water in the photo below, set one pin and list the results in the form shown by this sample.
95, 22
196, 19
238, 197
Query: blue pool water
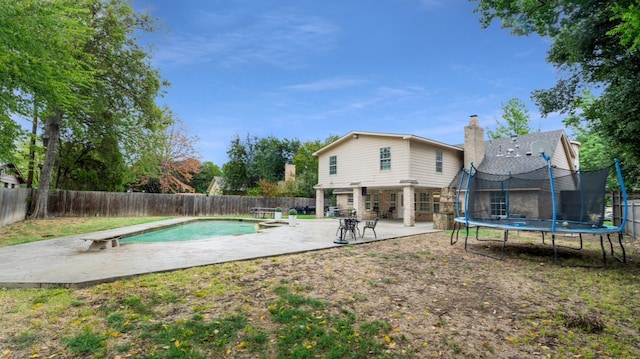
194, 230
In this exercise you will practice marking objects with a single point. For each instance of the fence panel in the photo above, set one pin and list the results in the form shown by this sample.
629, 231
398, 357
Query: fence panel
13, 205
91, 203
632, 227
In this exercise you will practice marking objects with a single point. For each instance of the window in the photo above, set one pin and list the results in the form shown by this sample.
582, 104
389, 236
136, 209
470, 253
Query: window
376, 203
367, 202
436, 202
392, 202
333, 165
498, 204
385, 158
438, 161
425, 203
350, 200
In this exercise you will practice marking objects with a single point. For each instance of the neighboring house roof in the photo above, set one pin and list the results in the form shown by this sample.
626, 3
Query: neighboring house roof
517, 155
216, 186
355, 134
10, 173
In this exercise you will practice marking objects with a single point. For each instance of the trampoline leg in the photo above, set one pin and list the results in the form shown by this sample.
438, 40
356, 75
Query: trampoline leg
604, 252
613, 254
555, 249
455, 225
504, 243
466, 238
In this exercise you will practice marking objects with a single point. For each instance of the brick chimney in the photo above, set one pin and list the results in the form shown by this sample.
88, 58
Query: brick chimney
473, 142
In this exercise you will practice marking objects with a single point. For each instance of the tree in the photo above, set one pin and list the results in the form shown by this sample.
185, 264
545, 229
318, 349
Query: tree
10, 132
307, 165
516, 114
236, 174
41, 43
202, 179
172, 160
629, 27
594, 46
90, 166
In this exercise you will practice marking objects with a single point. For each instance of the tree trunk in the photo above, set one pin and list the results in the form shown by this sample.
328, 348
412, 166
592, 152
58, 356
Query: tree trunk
51, 139
32, 148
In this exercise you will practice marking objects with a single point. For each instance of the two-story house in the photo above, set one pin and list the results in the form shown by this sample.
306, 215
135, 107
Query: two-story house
406, 176
387, 175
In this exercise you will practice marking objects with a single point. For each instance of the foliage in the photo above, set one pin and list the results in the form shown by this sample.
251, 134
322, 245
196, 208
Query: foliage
307, 165
77, 64
171, 160
90, 166
256, 166
594, 48
629, 27
517, 118
202, 179
293, 212
236, 177
255, 162
10, 132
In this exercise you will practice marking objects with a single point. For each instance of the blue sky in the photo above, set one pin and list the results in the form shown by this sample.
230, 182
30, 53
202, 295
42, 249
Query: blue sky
307, 69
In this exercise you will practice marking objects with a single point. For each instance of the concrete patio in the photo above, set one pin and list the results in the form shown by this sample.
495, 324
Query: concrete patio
67, 262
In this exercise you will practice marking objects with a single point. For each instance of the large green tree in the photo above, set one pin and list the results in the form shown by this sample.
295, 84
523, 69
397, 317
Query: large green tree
595, 47
78, 65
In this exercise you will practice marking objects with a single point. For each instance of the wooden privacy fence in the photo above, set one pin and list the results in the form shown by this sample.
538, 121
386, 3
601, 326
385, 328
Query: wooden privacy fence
112, 204
632, 227
13, 205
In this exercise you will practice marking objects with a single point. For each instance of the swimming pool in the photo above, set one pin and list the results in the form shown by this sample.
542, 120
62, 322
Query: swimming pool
194, 230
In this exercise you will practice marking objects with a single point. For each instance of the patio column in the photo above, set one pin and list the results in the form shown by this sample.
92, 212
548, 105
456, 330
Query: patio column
408, 192
358, 202
319, 203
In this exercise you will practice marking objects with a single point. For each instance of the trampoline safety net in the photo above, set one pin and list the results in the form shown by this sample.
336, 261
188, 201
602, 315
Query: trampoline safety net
533, 199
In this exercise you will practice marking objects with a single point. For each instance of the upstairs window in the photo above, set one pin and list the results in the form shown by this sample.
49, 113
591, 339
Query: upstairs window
385, 158
333, 165
438, 161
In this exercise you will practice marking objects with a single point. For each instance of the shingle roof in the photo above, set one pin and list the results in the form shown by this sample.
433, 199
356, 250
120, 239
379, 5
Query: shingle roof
506, 155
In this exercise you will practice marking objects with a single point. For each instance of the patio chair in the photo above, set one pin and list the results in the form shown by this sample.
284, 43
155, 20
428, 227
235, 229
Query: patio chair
348, 226
372, 225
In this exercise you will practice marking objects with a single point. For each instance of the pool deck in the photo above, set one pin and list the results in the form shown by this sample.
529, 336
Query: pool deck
68, 262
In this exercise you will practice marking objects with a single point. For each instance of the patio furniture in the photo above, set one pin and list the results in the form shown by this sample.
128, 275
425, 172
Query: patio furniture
347, 226
372, 225
389, 213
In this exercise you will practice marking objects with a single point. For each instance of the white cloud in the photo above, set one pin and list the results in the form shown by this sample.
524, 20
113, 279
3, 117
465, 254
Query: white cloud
327, 84
279, 38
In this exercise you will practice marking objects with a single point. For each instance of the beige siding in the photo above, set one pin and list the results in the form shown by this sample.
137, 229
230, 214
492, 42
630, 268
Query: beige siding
359, 161
423, 165
559, 157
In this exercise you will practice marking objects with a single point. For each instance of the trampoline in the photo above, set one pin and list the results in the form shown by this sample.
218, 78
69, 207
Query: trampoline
550, 201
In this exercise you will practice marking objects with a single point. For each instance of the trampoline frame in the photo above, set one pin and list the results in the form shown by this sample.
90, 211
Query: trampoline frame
520, 224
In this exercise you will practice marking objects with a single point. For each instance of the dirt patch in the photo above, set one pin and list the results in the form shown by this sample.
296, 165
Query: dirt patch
441, 300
